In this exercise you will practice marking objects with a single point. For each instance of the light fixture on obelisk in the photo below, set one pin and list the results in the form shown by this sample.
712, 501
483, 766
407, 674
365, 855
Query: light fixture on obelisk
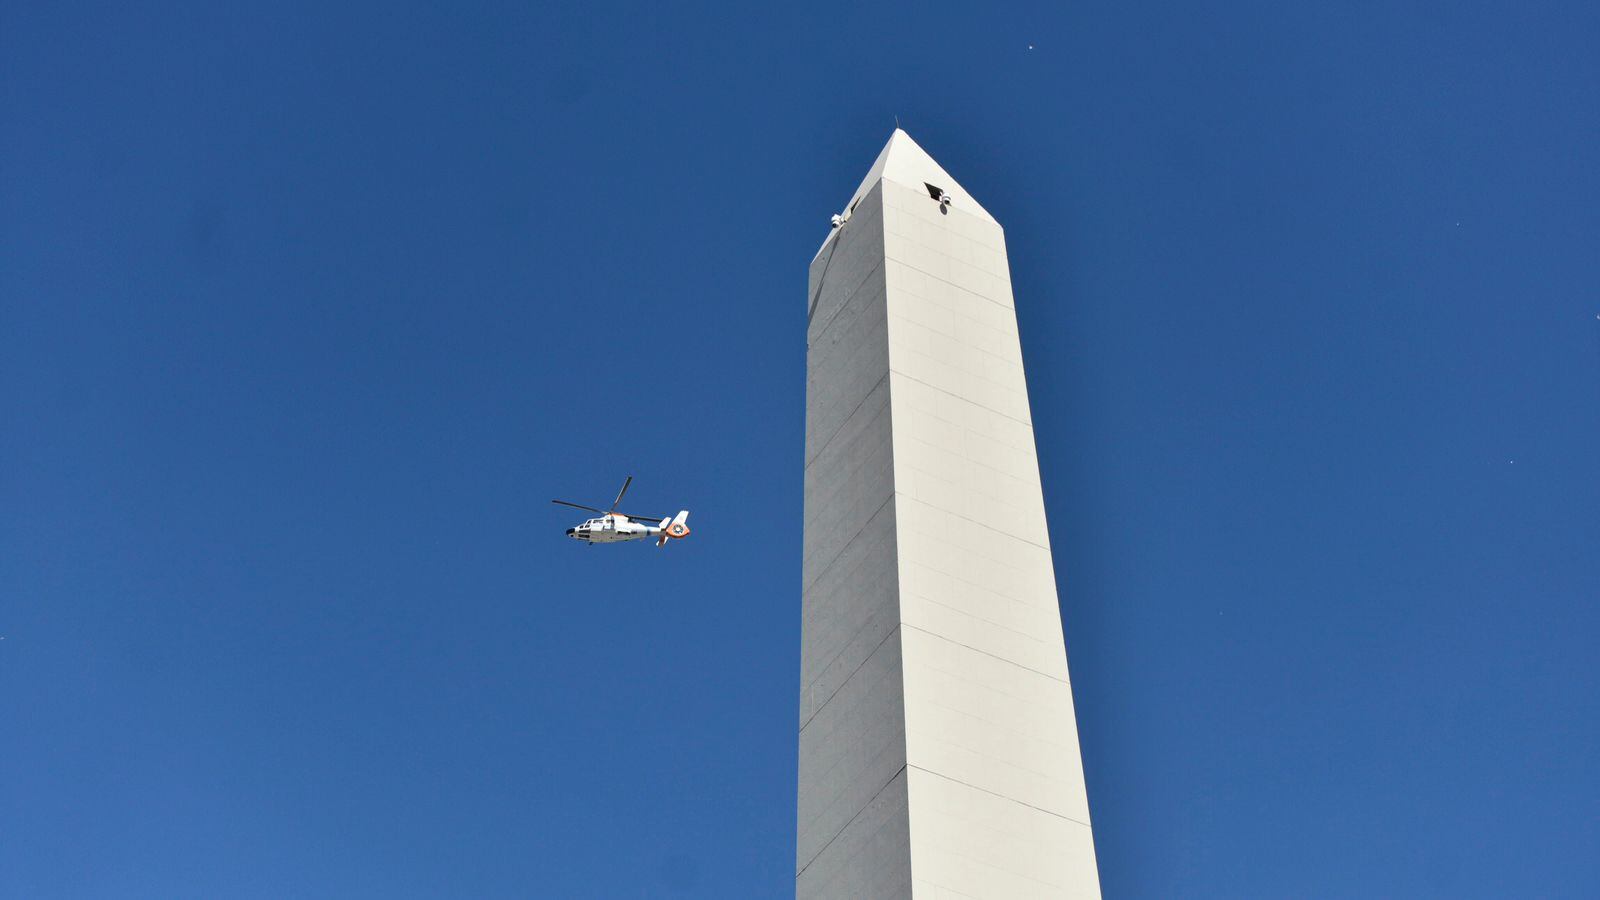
938, 746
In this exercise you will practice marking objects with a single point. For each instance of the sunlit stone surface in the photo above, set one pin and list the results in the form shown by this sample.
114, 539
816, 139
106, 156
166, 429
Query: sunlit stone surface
938, 746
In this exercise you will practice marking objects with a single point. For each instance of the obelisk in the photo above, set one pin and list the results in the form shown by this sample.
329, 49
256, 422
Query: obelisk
938, 744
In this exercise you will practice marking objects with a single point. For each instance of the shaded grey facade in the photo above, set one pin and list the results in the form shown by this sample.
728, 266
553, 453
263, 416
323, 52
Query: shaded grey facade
938, 745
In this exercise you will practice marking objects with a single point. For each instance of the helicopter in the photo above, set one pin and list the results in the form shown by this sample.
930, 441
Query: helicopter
611, 527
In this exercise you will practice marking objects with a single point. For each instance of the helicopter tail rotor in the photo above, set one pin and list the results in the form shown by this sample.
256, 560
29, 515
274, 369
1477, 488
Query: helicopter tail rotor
675, 527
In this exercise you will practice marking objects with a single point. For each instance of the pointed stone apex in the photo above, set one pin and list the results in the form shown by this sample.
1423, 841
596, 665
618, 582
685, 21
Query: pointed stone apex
905, 163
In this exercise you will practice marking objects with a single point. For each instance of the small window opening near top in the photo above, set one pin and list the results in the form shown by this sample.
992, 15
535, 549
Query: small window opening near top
934, 192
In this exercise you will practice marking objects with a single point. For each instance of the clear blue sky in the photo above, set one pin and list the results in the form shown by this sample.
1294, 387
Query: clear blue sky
306, 313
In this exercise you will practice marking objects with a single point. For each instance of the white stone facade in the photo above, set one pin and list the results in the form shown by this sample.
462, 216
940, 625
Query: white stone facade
938, 745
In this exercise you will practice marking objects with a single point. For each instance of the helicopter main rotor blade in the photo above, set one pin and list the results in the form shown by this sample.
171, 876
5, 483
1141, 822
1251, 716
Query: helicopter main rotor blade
578, 505
642, 518
621, 492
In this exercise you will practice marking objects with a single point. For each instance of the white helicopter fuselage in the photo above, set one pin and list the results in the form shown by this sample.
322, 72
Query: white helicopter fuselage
614, 528
611, 529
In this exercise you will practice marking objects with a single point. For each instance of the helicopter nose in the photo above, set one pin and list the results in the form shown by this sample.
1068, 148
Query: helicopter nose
571, 532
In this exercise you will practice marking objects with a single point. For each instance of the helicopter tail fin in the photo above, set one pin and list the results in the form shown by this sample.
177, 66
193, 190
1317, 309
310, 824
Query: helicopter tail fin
674, 528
